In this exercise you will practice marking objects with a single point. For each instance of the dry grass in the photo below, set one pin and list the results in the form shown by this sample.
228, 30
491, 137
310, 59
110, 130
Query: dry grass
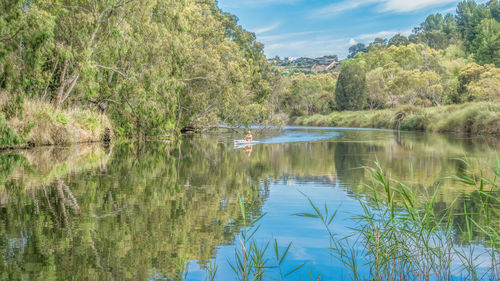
3, 98
43, 124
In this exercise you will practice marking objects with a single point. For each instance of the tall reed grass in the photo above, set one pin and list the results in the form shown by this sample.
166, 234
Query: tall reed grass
468, 118
401, 236
258, 262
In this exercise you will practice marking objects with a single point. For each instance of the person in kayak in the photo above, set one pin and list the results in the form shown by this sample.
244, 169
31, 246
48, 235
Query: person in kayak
249, 136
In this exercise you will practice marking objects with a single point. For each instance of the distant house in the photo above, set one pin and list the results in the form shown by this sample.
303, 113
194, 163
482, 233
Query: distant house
327, 60
320, 67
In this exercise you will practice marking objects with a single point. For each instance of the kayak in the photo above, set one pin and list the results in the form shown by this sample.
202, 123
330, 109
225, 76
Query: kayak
244, 143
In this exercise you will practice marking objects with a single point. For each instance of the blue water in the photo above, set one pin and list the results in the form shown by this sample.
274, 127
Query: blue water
281, 223
165, 210
309, 238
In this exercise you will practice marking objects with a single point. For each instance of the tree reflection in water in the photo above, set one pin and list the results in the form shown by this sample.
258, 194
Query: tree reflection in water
130, 212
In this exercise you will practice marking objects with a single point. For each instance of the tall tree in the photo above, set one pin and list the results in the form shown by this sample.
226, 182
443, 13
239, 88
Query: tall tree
398, 40
487, 42
350, 92
469, 16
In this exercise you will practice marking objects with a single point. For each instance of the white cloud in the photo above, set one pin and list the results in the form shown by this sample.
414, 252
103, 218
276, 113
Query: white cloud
402, 6
396, 6
266, 28
336, 8
352, 41
450, 10
383, 34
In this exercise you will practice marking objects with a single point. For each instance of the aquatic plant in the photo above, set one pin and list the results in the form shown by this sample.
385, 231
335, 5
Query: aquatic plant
252, 260
401, 236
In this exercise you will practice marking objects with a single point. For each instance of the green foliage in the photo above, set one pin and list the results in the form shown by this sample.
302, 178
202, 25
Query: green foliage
61, 118
155, 67
43, 124
307, 94
350, 91
398, 40
436, 31
432, 67
8, 138
479, 83
152, 66
354, 49
13, 107
469, 17
487, 42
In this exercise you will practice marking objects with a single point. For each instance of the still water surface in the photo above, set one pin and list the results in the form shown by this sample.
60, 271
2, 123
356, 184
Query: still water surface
166, 210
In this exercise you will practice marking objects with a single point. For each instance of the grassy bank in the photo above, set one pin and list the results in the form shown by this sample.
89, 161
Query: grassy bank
43, 124
470, 118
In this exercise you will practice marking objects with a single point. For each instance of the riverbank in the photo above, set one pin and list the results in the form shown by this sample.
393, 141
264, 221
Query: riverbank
469, 118
43, 124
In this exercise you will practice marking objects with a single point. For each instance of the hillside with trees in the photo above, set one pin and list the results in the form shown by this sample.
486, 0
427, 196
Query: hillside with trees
451, 59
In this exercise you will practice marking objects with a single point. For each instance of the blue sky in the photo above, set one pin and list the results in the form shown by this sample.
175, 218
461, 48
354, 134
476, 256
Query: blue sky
313, 28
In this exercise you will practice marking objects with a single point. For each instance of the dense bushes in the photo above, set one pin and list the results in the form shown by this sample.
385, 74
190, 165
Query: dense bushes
8, 138
447, 60
305, 94
152, 66
350, 92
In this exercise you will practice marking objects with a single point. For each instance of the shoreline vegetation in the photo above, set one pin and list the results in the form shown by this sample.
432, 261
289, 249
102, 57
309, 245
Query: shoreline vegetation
43, 124
471, 118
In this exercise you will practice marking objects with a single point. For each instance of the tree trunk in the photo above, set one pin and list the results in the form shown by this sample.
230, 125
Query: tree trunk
62, 83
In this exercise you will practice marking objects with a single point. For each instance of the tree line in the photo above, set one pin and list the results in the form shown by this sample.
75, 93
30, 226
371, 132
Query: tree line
446, 60
154, 67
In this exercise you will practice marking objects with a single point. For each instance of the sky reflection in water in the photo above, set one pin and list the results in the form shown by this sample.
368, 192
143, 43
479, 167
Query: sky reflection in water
130, 212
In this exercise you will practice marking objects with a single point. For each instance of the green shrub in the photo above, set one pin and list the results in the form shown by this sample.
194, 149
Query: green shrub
8, 137
61, 118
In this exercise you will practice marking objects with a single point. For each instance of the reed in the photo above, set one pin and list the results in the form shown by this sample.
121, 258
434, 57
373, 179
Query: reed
401, 236
258, 261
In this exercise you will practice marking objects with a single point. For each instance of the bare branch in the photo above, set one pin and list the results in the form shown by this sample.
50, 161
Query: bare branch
114, 70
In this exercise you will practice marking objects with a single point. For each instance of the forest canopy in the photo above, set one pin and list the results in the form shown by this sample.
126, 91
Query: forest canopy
152, 66
157, 67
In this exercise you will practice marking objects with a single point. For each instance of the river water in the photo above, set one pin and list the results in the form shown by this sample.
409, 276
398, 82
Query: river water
166, 211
